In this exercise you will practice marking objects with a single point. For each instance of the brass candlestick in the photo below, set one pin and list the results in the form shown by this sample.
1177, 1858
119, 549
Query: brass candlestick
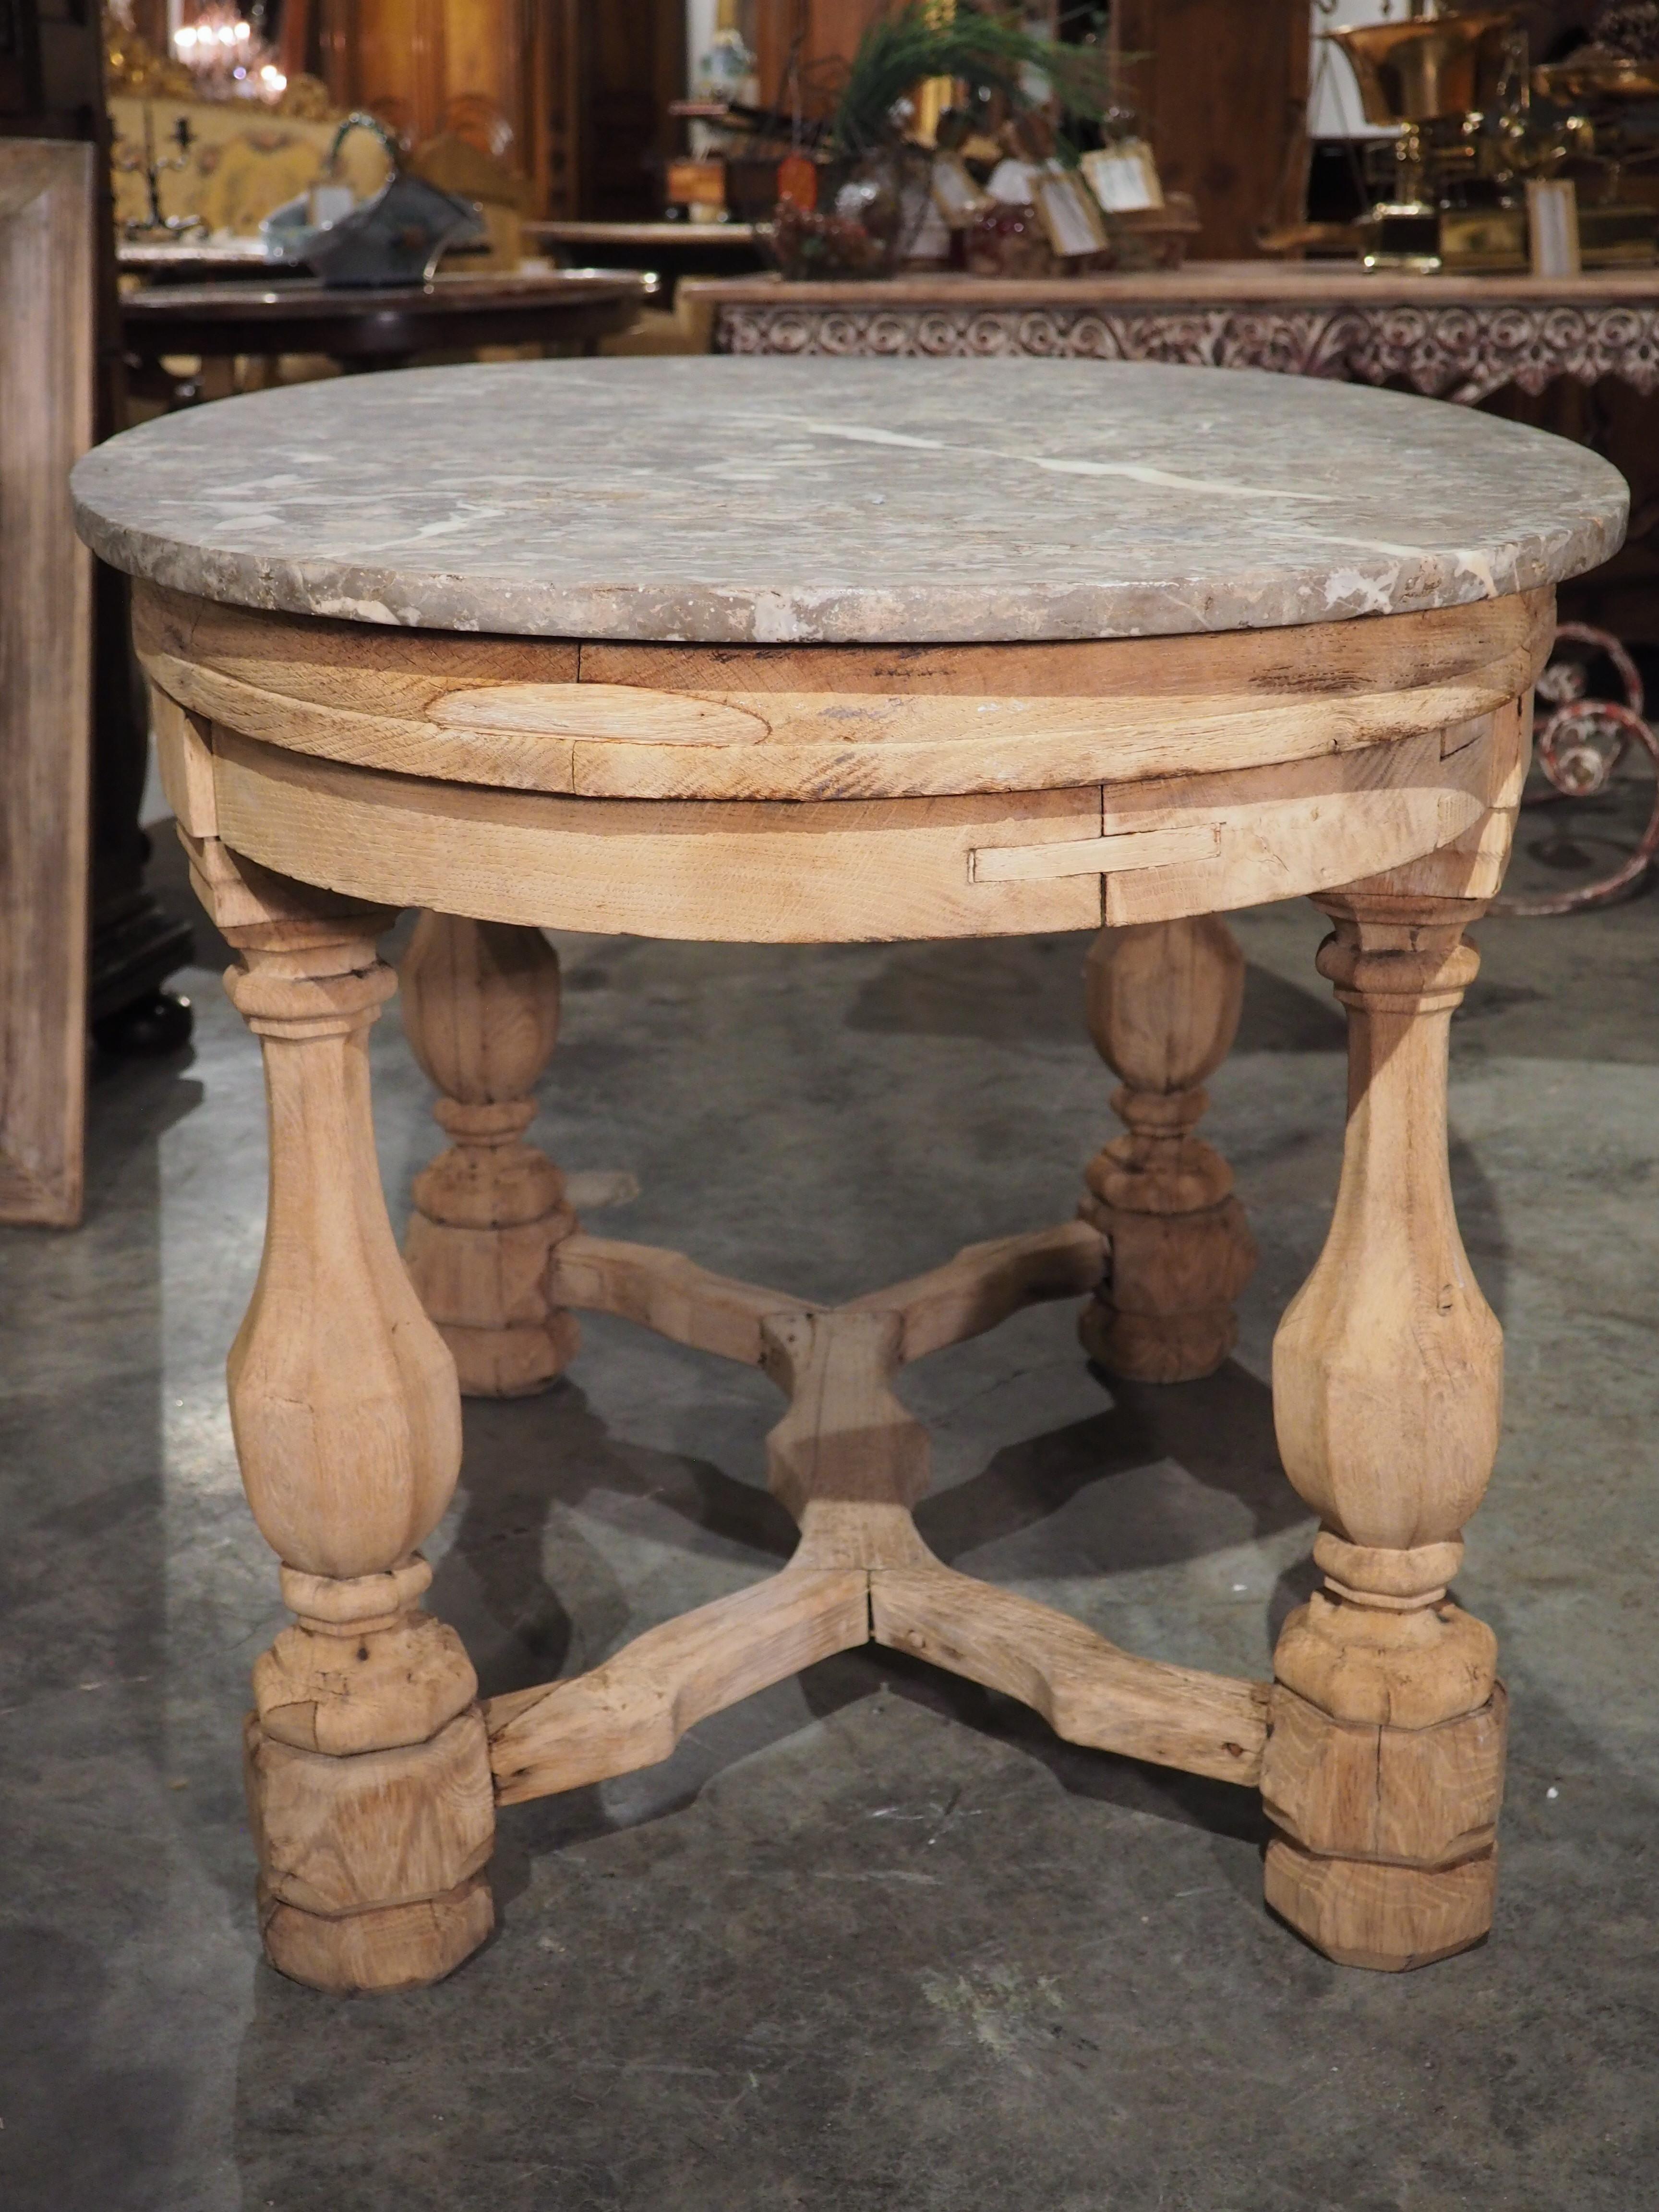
171, 226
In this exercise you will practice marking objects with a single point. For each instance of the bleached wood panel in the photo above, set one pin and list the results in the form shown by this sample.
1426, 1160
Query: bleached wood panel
46, 650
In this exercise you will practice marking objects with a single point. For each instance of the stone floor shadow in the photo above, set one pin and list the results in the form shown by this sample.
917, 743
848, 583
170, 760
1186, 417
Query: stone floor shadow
531, 1462
874, 1938
899, 1961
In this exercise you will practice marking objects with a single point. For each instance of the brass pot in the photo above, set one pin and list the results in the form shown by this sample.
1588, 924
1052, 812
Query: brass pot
1596, 76
1425, 69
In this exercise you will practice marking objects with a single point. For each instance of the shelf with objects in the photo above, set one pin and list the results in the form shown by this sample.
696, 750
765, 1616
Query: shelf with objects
1484, 144
947, 139
1494, 165
1568, 348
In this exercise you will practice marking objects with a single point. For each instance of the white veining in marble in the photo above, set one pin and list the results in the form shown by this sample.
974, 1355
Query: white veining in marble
844, 501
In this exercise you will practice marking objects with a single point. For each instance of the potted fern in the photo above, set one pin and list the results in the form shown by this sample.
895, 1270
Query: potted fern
874, 187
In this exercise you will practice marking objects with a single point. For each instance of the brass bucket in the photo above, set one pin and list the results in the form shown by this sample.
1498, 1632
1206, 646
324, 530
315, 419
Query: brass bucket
1427, 69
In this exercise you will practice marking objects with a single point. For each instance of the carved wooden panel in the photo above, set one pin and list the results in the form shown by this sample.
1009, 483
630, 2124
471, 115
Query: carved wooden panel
1464, 351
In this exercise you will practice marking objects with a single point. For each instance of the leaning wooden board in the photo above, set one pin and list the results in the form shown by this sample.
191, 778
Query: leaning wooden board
45, 671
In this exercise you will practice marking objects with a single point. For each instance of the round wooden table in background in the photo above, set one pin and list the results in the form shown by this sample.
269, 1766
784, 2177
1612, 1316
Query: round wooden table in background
821, 652
361, 327
674, 251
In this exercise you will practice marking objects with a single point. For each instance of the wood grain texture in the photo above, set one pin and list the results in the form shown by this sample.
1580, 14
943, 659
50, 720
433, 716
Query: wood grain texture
1107, 855
849, 1462
1472, 864
388, 1947
1390, 1918
1303, 826
272, 910
367, 1772
46, 377
1163, 1001
847, 871
1086, 1689
984, 1284
631, 1711
854, 871
1223, 94
672, 722
183, 762
1406, 1796
667, 1292
1387, 1388
846, 1437
1392, 1320
336, 1367
785, 794
337, 1835
973, 1293
481, 1010
362, 1689
1387, 1665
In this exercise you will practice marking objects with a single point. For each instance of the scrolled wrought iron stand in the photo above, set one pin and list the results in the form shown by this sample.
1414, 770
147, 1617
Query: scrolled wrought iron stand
1578, 745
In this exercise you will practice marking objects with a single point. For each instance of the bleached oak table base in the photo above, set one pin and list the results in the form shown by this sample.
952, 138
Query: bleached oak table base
325, 775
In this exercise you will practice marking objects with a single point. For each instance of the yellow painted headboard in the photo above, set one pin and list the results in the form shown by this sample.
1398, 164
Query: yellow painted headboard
243, 162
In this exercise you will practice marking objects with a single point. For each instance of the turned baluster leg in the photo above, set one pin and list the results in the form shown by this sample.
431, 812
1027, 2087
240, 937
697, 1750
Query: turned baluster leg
1384, 1768
480, 1007
1163, 1002
367, 1768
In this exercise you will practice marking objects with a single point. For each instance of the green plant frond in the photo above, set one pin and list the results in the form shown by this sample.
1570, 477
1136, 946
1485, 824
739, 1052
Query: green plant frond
910, 43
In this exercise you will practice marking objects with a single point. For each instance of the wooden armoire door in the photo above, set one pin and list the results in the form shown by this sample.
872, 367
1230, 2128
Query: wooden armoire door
606, 77
1222, 89
584, 84
407, 60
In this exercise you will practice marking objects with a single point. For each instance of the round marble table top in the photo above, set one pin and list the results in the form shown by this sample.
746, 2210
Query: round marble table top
832, 501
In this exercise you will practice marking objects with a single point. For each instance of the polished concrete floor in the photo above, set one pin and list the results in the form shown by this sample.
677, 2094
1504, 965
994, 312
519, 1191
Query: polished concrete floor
875, 1939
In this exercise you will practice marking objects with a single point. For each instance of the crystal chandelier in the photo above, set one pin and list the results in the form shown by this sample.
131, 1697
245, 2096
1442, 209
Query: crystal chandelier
229, 55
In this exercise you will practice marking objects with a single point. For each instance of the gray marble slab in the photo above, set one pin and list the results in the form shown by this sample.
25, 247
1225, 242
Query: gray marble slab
781, 502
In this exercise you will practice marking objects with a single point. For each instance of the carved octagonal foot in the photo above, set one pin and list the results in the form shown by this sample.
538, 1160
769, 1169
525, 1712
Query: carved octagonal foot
396, 1947
1389, 1918
1386, 1854
372, 1866
1166, 1315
